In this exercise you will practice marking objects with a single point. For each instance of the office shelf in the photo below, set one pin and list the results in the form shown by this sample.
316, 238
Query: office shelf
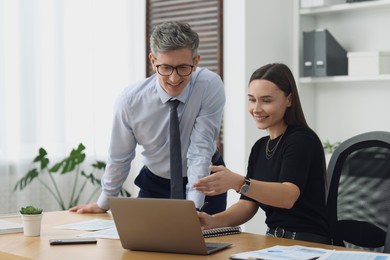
337, 79
347, 7
338, 107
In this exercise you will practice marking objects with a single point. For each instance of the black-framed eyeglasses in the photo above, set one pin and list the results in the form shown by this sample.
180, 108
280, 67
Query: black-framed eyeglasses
167, 70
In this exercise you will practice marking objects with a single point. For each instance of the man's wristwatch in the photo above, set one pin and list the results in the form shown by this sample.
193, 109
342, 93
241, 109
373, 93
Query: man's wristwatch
245, 187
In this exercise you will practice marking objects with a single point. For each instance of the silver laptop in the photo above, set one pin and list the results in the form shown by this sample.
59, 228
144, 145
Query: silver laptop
160, 225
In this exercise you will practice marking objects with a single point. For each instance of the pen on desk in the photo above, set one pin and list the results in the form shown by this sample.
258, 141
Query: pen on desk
203, 207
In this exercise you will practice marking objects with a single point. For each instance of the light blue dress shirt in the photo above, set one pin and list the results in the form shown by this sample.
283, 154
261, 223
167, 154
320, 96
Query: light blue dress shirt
142, 118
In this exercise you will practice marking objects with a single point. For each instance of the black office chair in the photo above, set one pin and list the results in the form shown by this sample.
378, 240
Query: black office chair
358, 196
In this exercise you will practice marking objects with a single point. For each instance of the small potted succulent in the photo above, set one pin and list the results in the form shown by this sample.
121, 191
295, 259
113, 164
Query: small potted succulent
32, 218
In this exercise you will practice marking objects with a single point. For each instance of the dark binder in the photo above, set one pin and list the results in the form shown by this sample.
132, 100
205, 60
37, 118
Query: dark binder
308, 54
330, 58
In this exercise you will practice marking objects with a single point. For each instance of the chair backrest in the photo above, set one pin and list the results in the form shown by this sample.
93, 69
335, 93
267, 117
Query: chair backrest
358, 193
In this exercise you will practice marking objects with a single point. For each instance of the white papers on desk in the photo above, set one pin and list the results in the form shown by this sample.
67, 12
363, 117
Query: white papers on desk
7, 227
282, 253
354, 255
302, 253
110, 233
89, 225
101, 228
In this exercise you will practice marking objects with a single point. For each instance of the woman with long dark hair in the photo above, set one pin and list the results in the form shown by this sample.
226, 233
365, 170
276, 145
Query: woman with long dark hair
286, 169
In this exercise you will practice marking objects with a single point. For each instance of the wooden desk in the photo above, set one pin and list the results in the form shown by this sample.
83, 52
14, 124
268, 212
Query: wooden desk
13, 245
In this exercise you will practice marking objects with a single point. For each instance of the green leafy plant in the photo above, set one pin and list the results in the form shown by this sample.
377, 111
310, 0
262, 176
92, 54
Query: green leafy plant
69, 165
330, 147
30, 210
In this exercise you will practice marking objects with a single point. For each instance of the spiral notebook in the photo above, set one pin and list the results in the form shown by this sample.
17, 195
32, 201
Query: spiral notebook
222, 231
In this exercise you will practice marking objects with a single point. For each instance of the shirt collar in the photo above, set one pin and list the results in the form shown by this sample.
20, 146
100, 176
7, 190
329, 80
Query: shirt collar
165, 97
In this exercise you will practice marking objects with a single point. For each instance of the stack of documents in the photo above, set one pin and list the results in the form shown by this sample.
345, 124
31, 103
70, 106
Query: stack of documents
303, 252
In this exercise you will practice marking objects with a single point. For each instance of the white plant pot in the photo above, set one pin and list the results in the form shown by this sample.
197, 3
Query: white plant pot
32, 225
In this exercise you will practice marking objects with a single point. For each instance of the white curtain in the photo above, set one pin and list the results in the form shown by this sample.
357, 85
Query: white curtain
62, 64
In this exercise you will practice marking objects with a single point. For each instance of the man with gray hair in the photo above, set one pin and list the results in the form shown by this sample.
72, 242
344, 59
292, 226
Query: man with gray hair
142, 118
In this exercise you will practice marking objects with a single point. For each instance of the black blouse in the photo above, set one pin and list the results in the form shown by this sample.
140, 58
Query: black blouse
299, 159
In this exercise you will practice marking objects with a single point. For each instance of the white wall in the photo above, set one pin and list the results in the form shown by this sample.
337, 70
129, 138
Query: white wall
256, 32
234, 78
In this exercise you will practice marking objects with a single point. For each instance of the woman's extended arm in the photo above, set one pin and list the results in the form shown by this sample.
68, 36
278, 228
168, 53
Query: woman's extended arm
282, 195
237, 214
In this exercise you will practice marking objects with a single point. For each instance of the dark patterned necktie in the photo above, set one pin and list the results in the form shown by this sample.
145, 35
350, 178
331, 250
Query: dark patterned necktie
175, 148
